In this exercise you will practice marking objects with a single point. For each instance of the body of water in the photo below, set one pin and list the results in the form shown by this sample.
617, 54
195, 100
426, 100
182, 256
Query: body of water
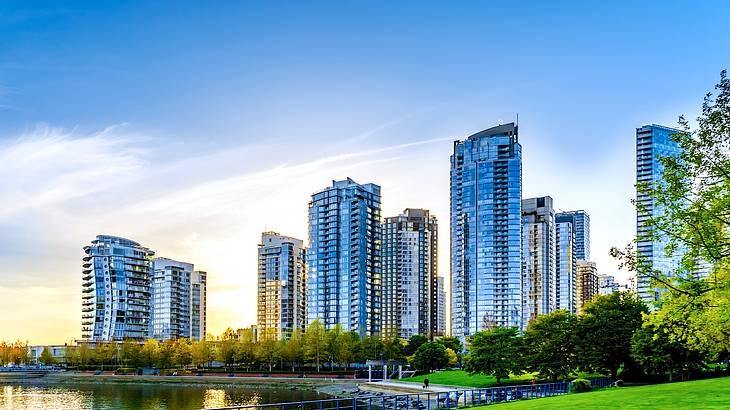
142, 396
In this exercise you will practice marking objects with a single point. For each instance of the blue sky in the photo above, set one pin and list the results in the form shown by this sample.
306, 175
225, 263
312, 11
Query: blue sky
192, 127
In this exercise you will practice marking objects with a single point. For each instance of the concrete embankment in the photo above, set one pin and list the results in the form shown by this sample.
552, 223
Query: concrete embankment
250, 382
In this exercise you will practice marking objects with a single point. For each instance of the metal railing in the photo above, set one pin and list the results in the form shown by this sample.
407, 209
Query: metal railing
451, 399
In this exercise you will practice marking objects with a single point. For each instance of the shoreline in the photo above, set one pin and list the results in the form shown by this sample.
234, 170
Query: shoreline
314, 384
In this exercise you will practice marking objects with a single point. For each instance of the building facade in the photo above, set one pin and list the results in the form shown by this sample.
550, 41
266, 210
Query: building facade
652, 141
441, 323
409, 273
198, 305
171, 299
581, 222
486, 194
565, 266
116, 289
586, 283
282, 285
538, 258
607, 284
344, 258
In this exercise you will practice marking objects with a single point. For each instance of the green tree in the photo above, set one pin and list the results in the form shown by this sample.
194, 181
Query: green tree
414, 342
201, 353
166, 354
46, 357
549, 345
71, 356
130, 353
372, 348
292, 350
344, 349
85, 354
315, 343
694, 195
227, 350
657, 355
269, 350
393, 348
149, 354
495, 352
453, 343
453, 357
604, 332
430, 356
104, 353
182, 353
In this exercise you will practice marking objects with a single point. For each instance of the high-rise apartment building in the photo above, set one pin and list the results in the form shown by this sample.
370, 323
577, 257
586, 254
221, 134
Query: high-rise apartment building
607, 284
538, 258
282, 286
441, 322
586, 283
171, 286
652, 142
198, 305
344, 258
565, 266
115, 291
486, 195
409, 264
581, 223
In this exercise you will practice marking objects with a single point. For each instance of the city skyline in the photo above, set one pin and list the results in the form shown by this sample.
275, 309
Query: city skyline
197, 154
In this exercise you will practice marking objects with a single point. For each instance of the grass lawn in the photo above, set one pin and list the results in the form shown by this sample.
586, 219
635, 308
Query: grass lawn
699, 394
462, 378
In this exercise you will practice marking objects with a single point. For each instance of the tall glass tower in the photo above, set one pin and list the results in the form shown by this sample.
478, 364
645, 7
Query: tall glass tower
410, 287
652, 141
581, 223
198, 304
171, 299
115, 291
344, 280
486, 211
538, 258
565, 266
282, 286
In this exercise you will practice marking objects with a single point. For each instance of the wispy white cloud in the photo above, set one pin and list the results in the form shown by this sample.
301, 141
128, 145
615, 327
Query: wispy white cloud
48, 166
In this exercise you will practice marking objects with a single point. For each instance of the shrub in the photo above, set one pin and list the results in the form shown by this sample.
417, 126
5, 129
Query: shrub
581, 385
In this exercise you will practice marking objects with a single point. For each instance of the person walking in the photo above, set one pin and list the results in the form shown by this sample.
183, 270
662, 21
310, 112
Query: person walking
425, 382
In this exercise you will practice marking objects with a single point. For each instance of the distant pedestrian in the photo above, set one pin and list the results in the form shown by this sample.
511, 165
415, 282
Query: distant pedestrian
534, 381
425, 382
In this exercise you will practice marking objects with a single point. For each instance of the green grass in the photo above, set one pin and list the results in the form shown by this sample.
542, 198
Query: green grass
462, 378
699, 394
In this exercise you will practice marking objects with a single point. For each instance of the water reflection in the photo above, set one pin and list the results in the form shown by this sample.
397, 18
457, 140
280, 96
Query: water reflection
141, 396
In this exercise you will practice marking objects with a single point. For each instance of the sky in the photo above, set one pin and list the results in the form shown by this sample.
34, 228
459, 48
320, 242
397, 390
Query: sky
192, 127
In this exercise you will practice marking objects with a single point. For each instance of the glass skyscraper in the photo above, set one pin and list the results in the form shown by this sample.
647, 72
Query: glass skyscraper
344, 281
171, 299
581, 222
652, 141
115, 292
198, 304
538, 258
486, 212
410, 287
282, 286
565, 266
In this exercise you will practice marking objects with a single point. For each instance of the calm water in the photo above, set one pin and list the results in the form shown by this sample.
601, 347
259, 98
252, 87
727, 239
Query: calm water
141, 396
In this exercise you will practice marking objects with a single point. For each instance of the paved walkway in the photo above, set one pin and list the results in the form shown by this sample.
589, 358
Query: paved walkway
400, 387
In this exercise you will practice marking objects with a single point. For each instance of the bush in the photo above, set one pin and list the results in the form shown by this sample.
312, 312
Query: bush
581, 385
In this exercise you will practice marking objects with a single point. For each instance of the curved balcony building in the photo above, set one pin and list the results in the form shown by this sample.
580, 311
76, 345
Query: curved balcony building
115, 293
